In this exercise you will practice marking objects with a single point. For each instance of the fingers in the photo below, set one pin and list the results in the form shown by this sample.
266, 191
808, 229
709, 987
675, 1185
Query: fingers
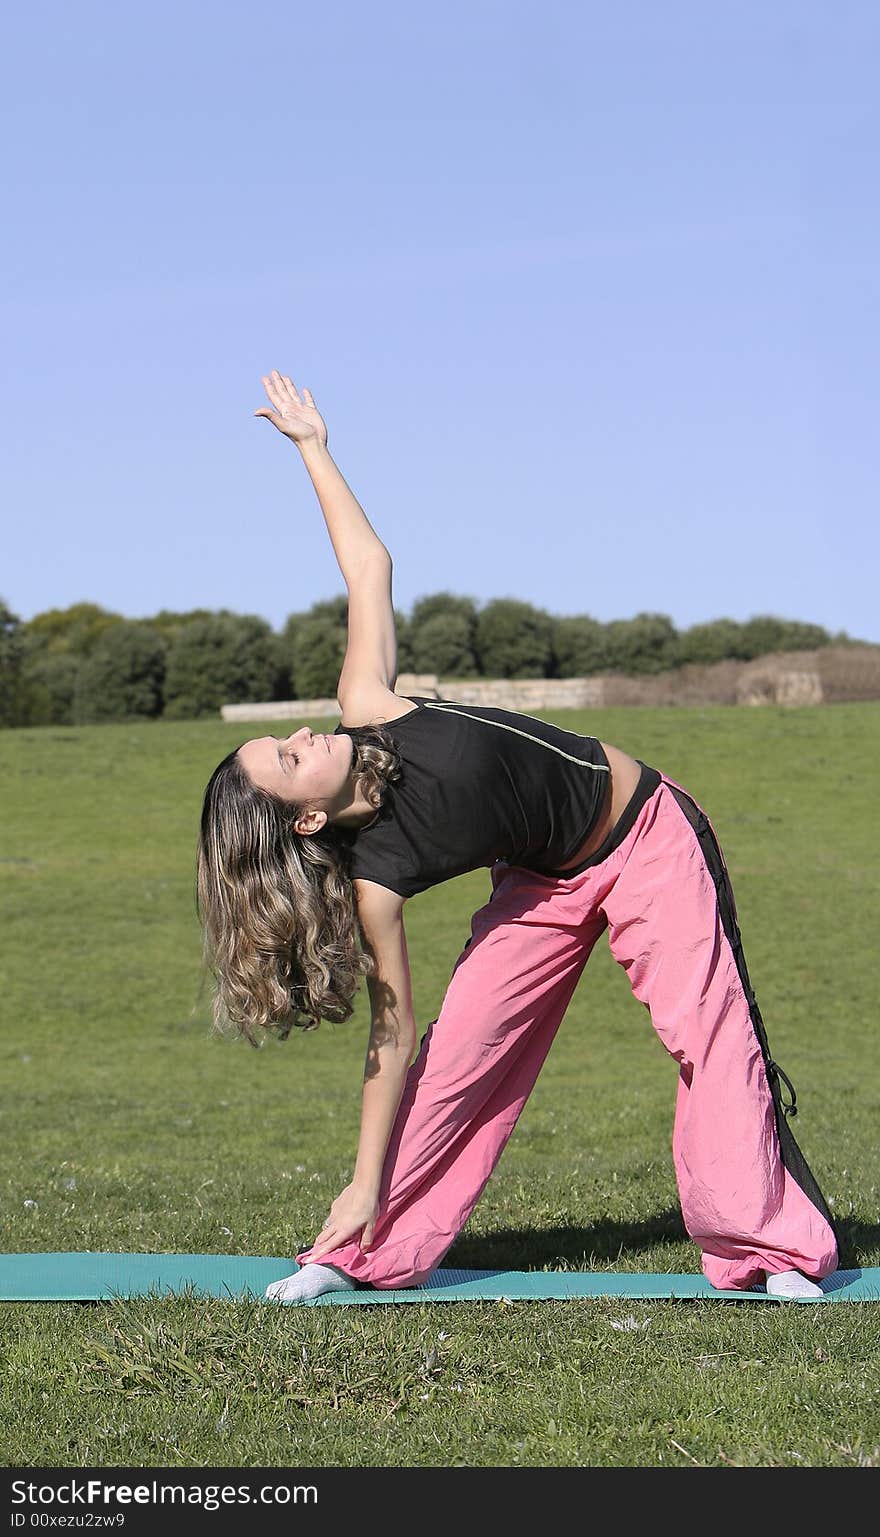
281, 389
334, 1237
278, 399
331, 1237
284, 386
325, 1241
322, 1246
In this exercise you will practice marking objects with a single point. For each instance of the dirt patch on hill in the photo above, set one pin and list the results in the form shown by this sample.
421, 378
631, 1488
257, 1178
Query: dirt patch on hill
829, 675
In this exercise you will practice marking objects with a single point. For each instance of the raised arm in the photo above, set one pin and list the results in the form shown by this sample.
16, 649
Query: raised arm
389, 1055
365, 563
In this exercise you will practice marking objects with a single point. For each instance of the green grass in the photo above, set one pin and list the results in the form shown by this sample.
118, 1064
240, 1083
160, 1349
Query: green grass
126, 1127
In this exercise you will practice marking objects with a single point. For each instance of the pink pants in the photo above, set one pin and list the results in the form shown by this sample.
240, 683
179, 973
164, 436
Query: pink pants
660, 887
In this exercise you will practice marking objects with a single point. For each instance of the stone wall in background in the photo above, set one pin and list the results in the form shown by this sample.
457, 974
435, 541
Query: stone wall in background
281, 709
791, 688
523, 694
756, 684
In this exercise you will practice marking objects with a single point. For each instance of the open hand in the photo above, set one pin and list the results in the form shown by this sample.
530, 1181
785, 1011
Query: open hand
296, 416
353, 1212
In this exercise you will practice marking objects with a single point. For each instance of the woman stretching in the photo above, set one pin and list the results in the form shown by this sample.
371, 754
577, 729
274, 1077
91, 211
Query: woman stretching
309, 847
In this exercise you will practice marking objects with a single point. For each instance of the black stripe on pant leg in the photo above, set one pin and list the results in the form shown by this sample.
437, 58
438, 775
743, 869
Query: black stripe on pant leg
792, 1157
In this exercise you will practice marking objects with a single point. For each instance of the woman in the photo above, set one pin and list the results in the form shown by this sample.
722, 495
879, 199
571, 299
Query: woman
309, 847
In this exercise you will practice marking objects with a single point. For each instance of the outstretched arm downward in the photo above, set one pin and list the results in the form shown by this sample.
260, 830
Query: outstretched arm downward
390, 1053
356, 1211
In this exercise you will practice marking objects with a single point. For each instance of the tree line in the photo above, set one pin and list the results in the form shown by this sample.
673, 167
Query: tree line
85, 664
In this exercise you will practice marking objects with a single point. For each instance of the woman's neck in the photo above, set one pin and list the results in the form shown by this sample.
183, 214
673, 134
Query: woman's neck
358, 814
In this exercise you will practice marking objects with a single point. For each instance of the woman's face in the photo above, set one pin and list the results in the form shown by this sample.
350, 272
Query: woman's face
306, 769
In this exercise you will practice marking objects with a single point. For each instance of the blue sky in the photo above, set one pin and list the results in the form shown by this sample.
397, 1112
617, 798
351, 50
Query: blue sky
587, 295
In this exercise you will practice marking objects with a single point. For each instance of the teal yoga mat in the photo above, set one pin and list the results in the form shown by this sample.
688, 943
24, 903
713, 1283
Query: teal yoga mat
88, 1277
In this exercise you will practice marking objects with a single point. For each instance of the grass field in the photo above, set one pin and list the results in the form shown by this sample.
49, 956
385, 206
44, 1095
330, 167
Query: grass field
126, 1127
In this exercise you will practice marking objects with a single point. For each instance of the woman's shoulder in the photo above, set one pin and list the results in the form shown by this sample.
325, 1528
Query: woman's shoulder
375, 706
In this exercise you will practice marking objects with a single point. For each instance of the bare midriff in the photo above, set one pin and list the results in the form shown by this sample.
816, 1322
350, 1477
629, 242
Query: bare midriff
625, 774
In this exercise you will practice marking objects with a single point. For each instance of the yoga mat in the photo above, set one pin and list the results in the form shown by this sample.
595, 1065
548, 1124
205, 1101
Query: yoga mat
87, 1277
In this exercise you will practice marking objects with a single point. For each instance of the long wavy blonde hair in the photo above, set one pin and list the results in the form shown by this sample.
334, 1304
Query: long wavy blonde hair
281, 935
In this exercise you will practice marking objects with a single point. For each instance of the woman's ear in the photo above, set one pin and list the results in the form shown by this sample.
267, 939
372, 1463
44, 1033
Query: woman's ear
310, 822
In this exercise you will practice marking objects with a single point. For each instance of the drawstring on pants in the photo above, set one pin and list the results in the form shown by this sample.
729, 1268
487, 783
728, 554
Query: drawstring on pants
774, 1073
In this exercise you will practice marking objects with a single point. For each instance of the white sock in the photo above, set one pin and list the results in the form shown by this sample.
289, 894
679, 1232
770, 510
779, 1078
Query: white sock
790, 1283
309, 1282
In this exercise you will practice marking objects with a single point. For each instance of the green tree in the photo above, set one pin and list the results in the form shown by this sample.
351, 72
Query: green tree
714, 641
764, 633
68, 631
514, 640
11, 657
444, 603
226, 659
334, 609
49, 683
405, 652
56, 643
579, 646
804, 637
123, 677
646, 644
442, 635
288, 651
311, 640
311, 653
443, 645
318, 653
169, 622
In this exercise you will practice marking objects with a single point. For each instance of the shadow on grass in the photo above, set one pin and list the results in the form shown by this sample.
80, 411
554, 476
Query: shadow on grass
859, 1242
592, 1247
578, 1247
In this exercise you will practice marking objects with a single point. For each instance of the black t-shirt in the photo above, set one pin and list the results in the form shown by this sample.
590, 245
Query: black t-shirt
479, 784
